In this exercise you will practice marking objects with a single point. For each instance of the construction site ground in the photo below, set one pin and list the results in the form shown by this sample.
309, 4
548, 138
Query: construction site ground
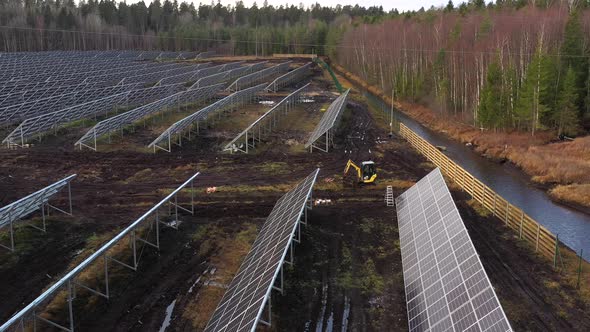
347, 270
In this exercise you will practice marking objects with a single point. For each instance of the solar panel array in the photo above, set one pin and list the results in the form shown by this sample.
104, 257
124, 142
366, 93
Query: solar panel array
155, 76
118, 77
259, 76
149, 55
125, 119
205, 55
264, 124
114, 73
15, 113
221, 77
446, 287
289, 78
47, 69
187, 55
31, 318
95, 68
19, 97
242, 304
234, 100
15, 211
39, 125
327, 123
184, 77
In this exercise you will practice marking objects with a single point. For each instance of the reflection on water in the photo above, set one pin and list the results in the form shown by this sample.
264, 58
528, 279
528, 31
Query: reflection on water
573, 227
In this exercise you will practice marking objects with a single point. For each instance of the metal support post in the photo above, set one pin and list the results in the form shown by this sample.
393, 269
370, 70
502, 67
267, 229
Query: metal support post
280, 289
262, 321
71, 306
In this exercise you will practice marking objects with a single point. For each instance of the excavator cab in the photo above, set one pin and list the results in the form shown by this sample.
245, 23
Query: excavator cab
366, 173
369, 171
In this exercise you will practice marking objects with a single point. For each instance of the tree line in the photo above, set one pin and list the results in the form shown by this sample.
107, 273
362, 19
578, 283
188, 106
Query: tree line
36, 25
510, 64
504, 66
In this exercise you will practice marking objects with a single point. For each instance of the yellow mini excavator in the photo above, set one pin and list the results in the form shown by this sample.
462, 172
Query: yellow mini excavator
367, 173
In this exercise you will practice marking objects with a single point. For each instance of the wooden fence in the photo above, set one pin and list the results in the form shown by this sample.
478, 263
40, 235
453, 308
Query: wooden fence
527, 228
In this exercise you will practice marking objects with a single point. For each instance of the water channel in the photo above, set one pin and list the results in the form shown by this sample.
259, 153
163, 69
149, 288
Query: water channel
572, 226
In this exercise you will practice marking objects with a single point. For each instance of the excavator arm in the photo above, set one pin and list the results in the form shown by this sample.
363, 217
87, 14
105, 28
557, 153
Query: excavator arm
349, 164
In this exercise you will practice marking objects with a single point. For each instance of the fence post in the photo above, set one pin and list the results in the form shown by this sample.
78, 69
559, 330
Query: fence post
556, 251
538, 232
579, 268
507, 210
521, 221
494, 212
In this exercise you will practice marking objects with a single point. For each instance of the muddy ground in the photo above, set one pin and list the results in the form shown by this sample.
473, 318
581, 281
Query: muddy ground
347, 273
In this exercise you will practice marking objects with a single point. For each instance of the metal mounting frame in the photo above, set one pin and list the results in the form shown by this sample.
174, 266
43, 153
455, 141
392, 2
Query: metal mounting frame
29, 314
249, 293
38, 200
264, 124
327, 125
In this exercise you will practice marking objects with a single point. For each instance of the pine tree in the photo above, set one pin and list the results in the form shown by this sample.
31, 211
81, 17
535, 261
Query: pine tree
566, 114
449, 7
492, 108
574, 56
532, 106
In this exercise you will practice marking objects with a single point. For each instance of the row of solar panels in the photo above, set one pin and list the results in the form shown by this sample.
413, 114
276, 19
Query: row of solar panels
37, 125
282, 105
46, 68
19, 105
30, 315
446, 286
36, 57
164, 141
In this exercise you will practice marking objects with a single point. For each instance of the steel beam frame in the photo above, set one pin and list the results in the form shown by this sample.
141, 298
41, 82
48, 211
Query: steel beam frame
228, 103
264, 124
70, 280
39, 200
296, 238
328, 124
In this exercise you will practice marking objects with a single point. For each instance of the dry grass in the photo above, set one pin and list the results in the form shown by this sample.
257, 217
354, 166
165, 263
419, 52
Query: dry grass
564, 162
576, 193
232, 250
480, 209
91, 276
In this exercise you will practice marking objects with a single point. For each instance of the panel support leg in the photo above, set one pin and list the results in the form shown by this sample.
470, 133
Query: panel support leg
262, 321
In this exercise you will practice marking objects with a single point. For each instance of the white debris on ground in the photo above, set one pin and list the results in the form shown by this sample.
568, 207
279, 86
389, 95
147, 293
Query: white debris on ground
211, 190
266, 102
320, 201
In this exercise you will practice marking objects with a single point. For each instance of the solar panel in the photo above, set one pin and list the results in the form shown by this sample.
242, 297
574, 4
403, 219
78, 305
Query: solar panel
38, 125
205, 55
122, 120
31, 318
241, 306
29, 204
289, 78
258, 76
232, 101
328, 121
19, 112
446, 287
261, 126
